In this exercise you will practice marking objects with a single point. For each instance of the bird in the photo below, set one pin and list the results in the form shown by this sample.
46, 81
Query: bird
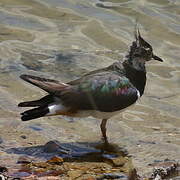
101, 93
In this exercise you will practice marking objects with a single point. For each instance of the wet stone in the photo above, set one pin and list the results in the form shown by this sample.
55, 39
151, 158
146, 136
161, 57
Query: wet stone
55, 160
3, 169
114, 176
24, 160
44, 169
54, 146
86, 166
73, 174
115, 160
51, 146
164, 169
23, 136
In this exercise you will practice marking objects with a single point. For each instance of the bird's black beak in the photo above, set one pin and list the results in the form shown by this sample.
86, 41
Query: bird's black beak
157, 58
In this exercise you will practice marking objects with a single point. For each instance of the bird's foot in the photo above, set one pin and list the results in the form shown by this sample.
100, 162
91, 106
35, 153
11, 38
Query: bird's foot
107, 147
105, 141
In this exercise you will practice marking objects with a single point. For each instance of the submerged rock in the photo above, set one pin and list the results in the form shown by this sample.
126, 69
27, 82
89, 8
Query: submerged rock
55, 146
121, 176
81, 163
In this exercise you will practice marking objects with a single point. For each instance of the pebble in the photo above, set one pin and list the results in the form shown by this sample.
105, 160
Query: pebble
24, 160
55, 160
121, 176
116, 161
51, 146
36, 128
73, 174
54, 146
23, 137
156, 128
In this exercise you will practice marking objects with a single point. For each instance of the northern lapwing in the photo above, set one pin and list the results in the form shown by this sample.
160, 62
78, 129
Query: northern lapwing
102, 93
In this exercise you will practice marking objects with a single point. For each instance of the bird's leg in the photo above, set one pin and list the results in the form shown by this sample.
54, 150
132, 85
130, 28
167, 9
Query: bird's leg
103, 130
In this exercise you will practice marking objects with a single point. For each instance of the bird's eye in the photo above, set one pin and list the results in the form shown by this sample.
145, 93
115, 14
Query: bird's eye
148, 51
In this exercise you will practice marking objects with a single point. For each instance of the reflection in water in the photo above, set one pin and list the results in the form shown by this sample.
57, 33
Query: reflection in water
64, 39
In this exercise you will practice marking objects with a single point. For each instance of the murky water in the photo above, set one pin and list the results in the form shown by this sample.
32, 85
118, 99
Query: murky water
64, 39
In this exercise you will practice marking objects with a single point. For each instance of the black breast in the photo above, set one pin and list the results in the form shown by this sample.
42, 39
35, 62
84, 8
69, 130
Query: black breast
137, 78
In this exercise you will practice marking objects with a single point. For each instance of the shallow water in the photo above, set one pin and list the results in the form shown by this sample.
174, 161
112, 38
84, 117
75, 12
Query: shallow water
64, 39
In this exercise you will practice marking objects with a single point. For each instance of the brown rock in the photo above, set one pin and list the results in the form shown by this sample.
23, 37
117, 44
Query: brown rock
55, 160
74, 173
24, 160
90, 178
118, 161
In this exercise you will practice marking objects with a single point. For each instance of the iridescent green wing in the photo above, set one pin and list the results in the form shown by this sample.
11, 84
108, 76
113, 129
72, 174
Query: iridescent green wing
104, 91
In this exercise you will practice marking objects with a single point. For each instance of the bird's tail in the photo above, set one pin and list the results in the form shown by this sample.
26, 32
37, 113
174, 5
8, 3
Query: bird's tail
40, 102
46, 106
41, 110
35, 113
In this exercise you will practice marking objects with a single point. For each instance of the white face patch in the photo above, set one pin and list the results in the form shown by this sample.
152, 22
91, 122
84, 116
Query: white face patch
138, 64
147, 49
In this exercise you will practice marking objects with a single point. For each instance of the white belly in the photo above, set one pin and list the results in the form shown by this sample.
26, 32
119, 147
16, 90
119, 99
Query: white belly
98, 114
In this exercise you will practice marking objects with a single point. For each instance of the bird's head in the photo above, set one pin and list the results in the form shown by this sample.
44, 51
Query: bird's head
140, 52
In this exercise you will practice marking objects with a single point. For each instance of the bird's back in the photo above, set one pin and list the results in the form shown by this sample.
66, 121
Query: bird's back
106, 90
